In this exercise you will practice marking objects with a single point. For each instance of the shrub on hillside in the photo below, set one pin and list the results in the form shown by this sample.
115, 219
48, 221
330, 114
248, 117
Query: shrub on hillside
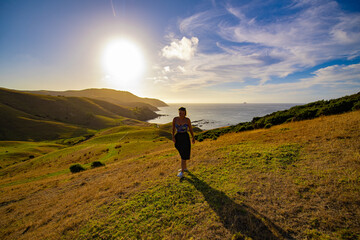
306, 114
76, 168
75, 140
199, 138
268, 125
277, 118
337, 107
356, 106
97, 164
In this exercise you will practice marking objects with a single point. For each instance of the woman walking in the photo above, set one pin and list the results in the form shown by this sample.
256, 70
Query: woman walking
182, 139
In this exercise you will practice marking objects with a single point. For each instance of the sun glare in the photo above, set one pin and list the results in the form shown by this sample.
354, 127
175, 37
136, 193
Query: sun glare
124, 63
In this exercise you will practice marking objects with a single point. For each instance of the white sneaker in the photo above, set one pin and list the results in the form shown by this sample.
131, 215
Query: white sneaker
185, 170
180, 175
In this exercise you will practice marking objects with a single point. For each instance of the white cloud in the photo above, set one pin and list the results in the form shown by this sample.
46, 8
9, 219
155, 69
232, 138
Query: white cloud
167, 69
183, 49
336, 75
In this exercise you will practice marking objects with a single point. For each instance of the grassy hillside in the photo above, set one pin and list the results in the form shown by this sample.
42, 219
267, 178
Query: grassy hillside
299, 180
13, 152
30, 116
109, 95
18, 125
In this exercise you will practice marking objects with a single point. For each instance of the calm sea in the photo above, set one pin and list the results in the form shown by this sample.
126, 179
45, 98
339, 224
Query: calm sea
208, 116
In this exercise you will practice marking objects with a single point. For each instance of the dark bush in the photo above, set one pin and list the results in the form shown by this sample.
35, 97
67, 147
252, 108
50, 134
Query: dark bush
240, 129
255, 119
268, 125
259, 123
356, 106
199, 138
337, 107
277, 117
289, 120
76, 168
306, 114
97, 164
249, 126
75, 140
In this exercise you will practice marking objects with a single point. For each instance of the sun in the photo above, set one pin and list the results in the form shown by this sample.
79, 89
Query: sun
123, 62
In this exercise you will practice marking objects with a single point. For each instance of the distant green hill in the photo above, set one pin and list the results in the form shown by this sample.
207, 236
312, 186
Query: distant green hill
109, 95
297, 113
18, 125
32, 116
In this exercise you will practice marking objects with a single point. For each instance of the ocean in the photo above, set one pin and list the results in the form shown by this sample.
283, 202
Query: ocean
209, 115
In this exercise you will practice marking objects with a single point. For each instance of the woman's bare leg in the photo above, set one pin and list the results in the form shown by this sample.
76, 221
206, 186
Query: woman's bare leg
183, 165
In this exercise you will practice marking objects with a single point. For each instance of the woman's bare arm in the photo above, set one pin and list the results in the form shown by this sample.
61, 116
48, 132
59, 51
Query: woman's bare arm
191, 131
173, 129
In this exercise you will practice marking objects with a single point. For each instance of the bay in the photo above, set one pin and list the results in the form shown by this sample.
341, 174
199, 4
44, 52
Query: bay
209, 115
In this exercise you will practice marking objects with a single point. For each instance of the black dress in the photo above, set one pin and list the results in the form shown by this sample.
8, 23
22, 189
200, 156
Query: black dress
182, 142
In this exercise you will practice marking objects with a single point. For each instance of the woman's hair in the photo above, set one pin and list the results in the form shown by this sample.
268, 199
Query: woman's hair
183, 109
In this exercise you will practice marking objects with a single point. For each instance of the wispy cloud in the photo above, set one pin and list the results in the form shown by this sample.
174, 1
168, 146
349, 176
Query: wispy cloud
316, 33
328, 77
246, 46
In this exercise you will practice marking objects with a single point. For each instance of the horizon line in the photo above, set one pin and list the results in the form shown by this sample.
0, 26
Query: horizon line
233, 103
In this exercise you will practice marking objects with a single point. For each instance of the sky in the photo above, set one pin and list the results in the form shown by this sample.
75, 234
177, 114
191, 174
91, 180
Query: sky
204, 51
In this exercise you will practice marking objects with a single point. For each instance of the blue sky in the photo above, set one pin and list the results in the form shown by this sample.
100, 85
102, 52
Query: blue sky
195, 51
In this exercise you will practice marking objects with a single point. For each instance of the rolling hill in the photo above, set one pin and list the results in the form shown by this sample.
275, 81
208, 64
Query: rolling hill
298, 180
18, 125
33, 116
123, 98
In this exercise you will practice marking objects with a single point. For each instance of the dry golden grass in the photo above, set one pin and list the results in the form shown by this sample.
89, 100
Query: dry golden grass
316, 196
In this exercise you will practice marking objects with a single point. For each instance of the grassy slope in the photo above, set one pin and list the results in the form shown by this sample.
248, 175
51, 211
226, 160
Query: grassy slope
74, 110
18, 125
298, 180
13, 152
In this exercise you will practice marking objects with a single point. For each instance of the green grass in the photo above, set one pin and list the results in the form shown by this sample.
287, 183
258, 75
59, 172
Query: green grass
173, 209
18, 125
51, 159
12, 152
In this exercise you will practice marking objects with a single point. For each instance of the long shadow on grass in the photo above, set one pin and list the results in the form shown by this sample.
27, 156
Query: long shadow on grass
240, 219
